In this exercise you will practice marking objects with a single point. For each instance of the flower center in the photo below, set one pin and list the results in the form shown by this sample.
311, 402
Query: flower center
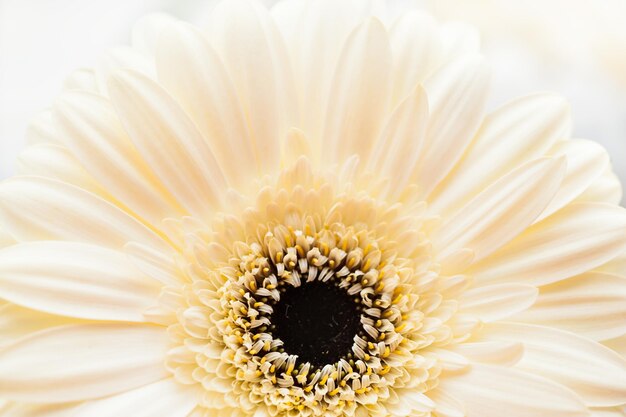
317, 322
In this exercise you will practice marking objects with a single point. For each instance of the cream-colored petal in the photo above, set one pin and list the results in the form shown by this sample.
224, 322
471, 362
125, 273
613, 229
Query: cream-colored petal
159, 399
446, 406
616, 266
91, 129
592, 304
493, 391
606, 188
193, 73
28, 205
359, 94
586, 161
574, 240
255, 56
147, 31
518, 132
502, 211
17, 322
321, 26
123, 57
34, 208
83, 79
56, 162
43, 129
495, 302
75, 280
34, 410
457, 93
169, 142
75, 363
154, 264
417, 51
609, 412
594, 372
397, 149
492, 352
618, 345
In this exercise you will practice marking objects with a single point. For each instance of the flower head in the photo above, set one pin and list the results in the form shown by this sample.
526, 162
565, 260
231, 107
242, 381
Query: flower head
305, 212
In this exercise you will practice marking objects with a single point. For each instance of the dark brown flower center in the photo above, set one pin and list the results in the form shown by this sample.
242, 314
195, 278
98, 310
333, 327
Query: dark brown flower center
317, 321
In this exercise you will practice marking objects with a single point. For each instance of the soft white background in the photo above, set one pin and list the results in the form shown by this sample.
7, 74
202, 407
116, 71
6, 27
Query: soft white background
574, 47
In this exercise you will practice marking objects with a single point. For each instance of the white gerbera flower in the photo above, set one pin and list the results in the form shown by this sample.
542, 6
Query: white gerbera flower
304, 212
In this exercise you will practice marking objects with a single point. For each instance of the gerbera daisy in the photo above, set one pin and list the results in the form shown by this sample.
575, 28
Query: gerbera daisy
305, 212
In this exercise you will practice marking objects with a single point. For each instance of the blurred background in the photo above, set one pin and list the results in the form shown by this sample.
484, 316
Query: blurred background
574, 47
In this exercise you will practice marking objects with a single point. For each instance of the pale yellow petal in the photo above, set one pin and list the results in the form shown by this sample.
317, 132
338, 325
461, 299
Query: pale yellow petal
159, 399
493, 391
169, 142
457, 93
495, 302
594, 372
359, 94
81, 362
255, 56
91, 129
576, 239
502, 211
35, 208
193, 73
17, 322
518, 132
586, 161
75, 280
592, 304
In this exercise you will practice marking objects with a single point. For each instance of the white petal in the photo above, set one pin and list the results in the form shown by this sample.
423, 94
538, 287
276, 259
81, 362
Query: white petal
43, 129
518, 132
321, 26
33, 410
446, 406
159, 399
618, 345
616, 266
91, 129
169, 142
17, 322
592, 305
457, 93
495, 302
82, 80
492, 391
148, 30
75, 280
594, 372
417, 51
502, 211
255, 56
359, 93
193, 73
492, 352
75, 363
586, 161
397, 150
606, 188
123, 57
34, 208
574, 240
609, 412
56, 162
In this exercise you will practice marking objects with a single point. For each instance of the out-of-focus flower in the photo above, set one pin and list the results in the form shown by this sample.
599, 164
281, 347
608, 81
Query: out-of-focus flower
306, 212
